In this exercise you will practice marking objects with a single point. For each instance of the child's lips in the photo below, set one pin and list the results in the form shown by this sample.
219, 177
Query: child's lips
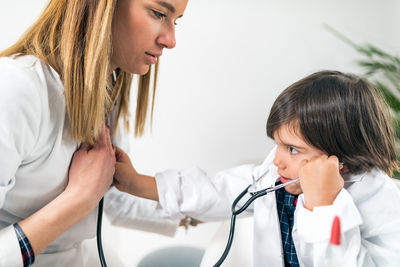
284, 179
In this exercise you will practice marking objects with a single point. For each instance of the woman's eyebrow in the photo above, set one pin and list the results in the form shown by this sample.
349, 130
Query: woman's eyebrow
168, 6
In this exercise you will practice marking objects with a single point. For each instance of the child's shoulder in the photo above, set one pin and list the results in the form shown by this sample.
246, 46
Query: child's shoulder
371, 186
377, 199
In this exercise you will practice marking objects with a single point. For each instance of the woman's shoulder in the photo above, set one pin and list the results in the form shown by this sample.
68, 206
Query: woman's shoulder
26, 77
18, 81
32, 104
28, 66
24, 63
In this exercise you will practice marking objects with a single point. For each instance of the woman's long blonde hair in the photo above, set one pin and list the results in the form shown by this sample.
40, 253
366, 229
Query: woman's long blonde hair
74, 37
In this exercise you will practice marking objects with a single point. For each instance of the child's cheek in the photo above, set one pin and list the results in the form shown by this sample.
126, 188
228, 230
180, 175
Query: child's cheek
296, 168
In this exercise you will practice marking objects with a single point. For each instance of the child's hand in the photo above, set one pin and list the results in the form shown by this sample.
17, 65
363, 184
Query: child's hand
124, 171
320, 181
127, 179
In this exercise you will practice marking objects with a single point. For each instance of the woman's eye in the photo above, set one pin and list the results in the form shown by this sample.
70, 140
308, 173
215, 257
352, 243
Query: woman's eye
159, 14
293, 150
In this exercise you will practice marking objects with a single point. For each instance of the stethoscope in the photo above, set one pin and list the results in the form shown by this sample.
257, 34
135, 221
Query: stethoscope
110, 124
99, 222
99, 245
255, 191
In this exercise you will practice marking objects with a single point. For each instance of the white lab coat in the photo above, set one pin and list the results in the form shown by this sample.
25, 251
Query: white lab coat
368, 207
35, 153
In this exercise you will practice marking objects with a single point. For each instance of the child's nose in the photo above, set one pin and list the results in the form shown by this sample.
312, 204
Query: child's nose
278, 162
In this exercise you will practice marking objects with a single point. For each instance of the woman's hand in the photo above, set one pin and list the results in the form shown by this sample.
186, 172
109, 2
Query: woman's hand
90, 176
127, 179
92, 169
320, 180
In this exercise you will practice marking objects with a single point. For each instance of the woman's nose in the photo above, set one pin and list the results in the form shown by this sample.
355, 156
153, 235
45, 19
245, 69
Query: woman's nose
167, 38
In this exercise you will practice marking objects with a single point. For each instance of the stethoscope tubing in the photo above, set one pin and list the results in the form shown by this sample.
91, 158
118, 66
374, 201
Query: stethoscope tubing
235, 212
99, 243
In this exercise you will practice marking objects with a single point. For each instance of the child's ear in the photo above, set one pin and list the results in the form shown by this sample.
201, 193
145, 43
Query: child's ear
343, 168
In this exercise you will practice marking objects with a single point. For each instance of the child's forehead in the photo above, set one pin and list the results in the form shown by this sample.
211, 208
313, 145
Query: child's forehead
290, 135
288, 130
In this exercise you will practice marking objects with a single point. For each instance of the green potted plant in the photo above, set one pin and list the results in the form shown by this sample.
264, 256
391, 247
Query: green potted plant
383, 70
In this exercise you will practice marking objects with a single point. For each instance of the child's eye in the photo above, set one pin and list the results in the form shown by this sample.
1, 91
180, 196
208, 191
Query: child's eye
292, 150
159, 14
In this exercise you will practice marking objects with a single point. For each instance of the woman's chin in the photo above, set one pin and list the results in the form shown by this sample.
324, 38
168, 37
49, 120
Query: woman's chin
144, 70
139, 70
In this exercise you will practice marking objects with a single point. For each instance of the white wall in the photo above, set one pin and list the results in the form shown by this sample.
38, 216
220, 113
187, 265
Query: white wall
232, 59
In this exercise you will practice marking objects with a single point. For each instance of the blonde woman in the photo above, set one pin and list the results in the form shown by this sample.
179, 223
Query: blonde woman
69, 73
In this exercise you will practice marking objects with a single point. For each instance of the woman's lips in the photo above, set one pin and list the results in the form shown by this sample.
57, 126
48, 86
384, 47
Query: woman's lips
151, 59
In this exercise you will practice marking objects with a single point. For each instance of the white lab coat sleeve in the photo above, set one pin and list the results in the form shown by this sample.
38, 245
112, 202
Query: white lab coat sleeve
10, 252
137, 213
133, 212
371, 243
19, 126
192, 193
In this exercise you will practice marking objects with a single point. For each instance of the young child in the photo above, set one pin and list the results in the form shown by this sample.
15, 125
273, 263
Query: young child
333, 132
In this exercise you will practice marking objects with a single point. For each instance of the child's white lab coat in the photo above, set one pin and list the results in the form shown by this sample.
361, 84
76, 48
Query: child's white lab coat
368, 206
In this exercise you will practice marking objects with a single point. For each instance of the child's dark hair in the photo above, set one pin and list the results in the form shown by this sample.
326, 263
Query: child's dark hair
342, 115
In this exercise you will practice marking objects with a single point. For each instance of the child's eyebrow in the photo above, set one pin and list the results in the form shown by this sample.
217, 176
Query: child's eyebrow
296, 147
